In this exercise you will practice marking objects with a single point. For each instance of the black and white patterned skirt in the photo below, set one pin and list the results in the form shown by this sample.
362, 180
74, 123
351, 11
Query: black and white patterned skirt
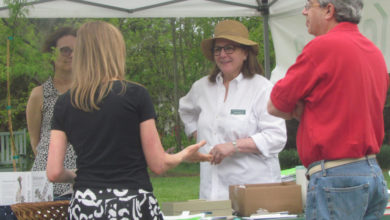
114, 204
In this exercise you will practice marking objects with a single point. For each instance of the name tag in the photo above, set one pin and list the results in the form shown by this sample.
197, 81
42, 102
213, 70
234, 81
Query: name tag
237, 112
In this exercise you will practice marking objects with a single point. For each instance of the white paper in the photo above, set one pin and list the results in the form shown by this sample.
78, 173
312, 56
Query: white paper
184, 216
18, 187
271, 216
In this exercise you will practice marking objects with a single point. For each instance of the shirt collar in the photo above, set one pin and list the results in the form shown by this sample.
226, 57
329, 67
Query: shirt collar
345, 26
219, 78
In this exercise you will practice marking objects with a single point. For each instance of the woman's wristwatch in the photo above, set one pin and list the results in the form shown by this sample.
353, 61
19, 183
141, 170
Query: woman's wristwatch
235, 146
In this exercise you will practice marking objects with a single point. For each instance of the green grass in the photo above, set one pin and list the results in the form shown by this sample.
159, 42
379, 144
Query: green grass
178, 184
184, 169
170, 189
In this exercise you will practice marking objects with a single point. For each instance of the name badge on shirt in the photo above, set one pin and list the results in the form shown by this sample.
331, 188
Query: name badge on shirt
237, 112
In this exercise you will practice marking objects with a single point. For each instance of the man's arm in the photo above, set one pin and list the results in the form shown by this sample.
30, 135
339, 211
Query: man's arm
297, 113
272, 110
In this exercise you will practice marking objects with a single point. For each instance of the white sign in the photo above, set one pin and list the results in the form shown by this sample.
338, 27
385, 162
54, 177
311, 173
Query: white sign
18, 187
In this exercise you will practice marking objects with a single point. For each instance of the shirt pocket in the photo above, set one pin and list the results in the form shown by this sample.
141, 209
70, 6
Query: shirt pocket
236, 123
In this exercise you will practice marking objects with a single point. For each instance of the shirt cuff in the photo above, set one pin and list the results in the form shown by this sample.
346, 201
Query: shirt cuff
266, 148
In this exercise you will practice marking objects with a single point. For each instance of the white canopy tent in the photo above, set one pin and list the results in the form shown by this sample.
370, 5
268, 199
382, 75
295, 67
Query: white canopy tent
285, 19
290, 35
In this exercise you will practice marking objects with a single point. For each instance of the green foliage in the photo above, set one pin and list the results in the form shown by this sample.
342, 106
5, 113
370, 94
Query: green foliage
292, 128
383, 157
289, 158
386, 116
387, 176
11, 30
169, 141
149, 61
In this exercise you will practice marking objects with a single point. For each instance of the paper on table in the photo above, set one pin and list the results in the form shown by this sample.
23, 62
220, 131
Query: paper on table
186, 216
271, 216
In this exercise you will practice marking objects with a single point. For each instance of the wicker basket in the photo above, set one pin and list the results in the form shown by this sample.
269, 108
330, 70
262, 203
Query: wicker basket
41, 210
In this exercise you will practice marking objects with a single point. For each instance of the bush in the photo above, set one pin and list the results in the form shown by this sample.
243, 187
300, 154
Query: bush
289, 158
383, 157
292, 128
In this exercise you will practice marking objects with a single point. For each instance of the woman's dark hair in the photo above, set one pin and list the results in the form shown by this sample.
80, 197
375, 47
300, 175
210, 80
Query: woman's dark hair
51, 40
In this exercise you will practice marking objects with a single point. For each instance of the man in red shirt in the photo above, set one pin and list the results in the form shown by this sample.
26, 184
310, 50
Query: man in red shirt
337, 89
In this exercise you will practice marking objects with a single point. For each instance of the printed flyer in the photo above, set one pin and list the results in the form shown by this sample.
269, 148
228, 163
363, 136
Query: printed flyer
18, 187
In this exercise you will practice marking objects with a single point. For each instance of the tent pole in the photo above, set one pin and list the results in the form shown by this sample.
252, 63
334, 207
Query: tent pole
267, 61
175, 82
264, 9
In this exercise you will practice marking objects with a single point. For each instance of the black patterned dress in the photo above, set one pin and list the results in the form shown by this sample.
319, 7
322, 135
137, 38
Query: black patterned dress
50, 95
107, 204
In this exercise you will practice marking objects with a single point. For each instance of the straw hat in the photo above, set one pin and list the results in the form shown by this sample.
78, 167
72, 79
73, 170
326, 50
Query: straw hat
230, 30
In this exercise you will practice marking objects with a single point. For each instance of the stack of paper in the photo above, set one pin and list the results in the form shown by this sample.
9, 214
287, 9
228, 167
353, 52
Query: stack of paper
288, 175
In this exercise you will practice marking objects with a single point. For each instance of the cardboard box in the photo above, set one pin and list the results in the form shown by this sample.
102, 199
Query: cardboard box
211, 208
274, 197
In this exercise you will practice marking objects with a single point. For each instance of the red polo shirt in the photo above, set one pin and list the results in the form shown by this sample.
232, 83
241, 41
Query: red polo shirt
342, 79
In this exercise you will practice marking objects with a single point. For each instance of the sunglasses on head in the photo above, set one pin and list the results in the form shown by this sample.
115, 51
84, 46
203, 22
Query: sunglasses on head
66, 51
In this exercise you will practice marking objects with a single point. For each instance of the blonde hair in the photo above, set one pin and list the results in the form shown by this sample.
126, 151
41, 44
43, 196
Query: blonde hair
99, 57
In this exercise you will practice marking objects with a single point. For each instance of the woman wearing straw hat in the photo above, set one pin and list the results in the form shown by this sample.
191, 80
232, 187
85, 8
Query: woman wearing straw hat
228, 110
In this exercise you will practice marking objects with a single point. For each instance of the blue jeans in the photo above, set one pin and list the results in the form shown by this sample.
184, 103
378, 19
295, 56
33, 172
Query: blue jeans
353, 191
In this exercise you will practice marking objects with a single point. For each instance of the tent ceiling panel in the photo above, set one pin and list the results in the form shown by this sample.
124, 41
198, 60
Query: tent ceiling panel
137, 8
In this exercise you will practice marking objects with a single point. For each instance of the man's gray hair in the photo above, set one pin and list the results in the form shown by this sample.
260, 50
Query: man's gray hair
345, 10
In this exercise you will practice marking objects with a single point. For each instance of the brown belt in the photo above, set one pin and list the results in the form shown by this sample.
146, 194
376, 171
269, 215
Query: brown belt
336, 163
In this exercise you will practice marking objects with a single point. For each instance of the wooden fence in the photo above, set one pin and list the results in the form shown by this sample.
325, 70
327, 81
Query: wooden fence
6, 156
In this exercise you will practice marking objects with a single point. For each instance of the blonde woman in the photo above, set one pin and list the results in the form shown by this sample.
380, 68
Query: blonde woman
111, 124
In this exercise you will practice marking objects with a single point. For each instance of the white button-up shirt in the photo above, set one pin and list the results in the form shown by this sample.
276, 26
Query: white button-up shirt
243, 114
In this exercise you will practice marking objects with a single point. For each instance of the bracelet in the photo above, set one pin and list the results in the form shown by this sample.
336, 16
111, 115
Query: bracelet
235, 146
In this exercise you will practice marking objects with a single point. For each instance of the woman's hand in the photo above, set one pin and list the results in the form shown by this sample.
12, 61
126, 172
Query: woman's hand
221, 151
191, 153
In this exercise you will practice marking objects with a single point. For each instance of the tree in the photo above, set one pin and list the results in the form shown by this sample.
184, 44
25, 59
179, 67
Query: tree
150, 61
